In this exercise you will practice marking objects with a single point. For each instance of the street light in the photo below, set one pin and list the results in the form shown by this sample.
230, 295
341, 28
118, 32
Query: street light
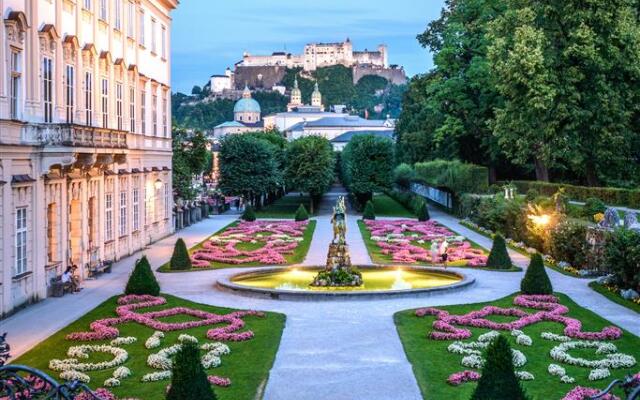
158, 184
540, 220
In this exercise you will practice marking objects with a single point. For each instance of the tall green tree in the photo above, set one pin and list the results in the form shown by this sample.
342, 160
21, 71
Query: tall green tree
568, 72
367, 165
311, 166
248, 167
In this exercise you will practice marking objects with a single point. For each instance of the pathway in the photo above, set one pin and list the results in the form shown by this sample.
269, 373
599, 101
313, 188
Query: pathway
35, 323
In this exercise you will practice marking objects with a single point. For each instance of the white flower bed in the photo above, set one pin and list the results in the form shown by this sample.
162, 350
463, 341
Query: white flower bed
472, 351
111, 382
162, 359
157, 376
120, 341
154, 340
599, 373
184, 338
612, 360
71, 375
524, 375
555, 337
72, 364
121, 373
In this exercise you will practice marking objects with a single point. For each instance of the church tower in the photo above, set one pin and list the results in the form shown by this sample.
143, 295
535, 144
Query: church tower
296, 96
316, 97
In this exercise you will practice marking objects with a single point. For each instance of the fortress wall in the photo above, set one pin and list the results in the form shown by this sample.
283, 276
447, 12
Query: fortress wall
250, 75
396, 76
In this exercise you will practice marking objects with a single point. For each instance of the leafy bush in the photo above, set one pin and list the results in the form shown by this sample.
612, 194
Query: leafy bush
499, 257
455, 175
369, 211
403, 174
498, 379
423, 212
180, 260
536, 280
622, 256
301, 213
531, 195
593, 206
142, 280
249, 214
568, 243
189, 380
611, 196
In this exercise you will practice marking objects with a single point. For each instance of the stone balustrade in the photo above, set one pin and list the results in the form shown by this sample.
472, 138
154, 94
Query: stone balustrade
73, 136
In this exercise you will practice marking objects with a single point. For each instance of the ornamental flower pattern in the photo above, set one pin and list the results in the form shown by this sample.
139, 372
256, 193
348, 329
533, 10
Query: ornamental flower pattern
280, 238
445, 325
128, 312
400, 238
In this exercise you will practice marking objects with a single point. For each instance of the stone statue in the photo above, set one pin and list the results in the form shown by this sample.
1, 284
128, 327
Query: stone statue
339, 221
631, 221
611, 219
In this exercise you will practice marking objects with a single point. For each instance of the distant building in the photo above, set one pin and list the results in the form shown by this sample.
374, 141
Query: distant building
246, 117
339, 142
221, 83
334, 125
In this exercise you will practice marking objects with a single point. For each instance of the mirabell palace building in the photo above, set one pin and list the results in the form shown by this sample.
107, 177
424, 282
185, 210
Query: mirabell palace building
85, 137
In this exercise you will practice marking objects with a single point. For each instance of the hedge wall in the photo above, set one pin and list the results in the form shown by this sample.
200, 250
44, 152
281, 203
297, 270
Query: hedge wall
611, 196
457, 176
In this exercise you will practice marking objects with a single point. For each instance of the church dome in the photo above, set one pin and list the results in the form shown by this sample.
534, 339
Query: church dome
246, 105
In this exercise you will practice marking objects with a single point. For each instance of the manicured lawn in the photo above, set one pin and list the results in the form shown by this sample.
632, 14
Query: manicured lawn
615, 297
285, 207
375, 252
297, 257
247, 365
386, 206
432, 363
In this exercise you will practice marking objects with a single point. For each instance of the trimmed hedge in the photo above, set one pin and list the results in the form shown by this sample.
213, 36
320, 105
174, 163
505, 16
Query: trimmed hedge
536, 280
611, 196
369, 211
142, 281
498, 379
249, 214
301, 213
409, 200
189, 380
423, 212
180, 260
499, 257
455, 175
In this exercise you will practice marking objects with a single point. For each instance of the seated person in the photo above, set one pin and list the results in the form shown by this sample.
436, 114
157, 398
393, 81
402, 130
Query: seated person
68, 280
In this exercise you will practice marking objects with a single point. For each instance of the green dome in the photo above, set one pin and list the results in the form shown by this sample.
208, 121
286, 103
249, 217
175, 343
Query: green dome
246, 105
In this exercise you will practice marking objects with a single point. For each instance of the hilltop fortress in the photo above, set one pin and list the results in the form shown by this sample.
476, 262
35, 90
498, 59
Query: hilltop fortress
267, 71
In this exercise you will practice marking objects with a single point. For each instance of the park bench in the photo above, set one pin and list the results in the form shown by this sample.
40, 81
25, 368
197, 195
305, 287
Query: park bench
59, 289
100, 268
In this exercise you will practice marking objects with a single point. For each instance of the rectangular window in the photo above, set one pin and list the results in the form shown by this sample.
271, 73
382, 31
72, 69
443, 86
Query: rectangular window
132, 109
136, 205
123, 213
47, 90
119, 106
16, 76
108, 217
163, 39
165, 106
118, 15
105, 102
88, 98
87, 5
154, 108
21, 241
167, 202
141, 27
131, 14
153, 36
103, 10
143, 112
69, 93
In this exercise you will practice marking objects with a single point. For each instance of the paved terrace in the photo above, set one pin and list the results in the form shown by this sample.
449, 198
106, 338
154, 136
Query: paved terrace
350, 344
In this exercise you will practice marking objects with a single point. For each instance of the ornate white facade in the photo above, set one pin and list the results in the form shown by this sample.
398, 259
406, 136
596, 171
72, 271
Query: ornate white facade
85, 136
318, 55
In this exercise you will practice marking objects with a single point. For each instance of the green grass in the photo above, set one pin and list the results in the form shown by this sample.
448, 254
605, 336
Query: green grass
285, 207
432, 363
615, 297
297, 257
386, 206
247, 366
375, 252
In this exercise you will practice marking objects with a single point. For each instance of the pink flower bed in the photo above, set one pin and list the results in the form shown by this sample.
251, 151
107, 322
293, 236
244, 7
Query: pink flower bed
401, 249
104, 328
459, 378
276, 236
219, 381
581, 393
445, 324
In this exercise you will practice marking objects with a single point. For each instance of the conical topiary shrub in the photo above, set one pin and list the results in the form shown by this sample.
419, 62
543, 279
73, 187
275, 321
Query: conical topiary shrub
301, 213
498, 379
499, 257
423, 212
189, 381
536, 280
249, 214
142, 280
180, 259
369, 211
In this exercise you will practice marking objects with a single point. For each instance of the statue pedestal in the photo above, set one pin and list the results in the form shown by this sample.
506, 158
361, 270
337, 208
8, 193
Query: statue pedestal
338, 257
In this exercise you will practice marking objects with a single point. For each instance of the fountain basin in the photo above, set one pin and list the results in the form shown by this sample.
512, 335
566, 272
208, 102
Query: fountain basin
379, 282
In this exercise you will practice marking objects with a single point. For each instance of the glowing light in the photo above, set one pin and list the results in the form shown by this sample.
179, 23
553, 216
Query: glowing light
158, 184
541, 220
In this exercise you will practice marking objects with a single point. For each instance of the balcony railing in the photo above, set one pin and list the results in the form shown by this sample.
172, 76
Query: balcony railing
74, 136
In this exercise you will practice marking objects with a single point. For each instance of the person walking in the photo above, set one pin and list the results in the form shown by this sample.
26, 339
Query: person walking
443, 252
